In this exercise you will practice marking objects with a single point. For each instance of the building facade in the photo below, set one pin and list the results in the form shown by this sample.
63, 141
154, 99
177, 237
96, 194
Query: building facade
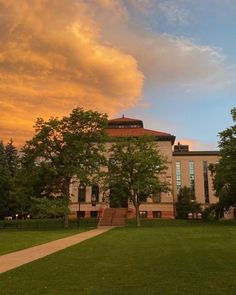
184, 168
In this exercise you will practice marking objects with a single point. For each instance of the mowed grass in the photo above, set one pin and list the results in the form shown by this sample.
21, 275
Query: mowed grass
172, 257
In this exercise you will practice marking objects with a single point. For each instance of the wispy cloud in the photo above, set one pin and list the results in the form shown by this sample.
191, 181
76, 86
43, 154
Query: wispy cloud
174, 12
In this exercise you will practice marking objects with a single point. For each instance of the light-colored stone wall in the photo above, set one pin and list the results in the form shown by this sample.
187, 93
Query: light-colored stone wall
166, 205
199, 178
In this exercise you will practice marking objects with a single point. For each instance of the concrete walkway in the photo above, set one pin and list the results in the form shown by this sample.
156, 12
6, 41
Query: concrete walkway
18, 258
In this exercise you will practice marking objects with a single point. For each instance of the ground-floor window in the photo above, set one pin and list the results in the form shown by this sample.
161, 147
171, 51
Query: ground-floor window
156, 214
94, 214
80, 214
143, 214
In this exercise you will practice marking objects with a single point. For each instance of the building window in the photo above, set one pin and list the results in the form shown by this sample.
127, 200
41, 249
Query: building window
81, 193
178, 175
95, 192
156, 198
143, 214
80, 214
156, 214
192, 177
206, 184
94, 214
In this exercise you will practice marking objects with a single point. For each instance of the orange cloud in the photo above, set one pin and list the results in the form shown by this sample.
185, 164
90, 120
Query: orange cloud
52, 59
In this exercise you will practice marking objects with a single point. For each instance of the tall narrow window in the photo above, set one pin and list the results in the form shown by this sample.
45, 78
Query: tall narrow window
81, 193
192, 178
206, 184
178, 175
95, 192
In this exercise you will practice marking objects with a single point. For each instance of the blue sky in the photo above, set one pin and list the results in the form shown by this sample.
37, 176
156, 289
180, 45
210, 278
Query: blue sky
201, 113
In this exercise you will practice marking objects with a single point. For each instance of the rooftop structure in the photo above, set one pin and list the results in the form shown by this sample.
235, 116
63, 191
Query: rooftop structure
128, 127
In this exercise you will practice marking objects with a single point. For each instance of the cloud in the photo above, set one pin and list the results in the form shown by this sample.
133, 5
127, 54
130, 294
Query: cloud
165, 60
196, 145
56, 55
173, 12
52, 59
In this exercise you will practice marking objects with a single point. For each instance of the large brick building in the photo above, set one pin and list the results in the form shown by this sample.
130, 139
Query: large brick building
185, 168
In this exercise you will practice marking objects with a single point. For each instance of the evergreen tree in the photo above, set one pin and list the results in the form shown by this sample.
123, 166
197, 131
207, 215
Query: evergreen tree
4, 183
12, 157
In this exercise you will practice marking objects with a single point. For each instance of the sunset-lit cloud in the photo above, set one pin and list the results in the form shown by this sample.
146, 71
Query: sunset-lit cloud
195, 145
52, 60
98, 54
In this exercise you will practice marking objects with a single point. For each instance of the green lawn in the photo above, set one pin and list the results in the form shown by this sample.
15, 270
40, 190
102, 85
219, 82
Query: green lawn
172, 257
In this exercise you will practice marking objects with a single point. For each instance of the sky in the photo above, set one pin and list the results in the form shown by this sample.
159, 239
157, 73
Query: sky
171, 63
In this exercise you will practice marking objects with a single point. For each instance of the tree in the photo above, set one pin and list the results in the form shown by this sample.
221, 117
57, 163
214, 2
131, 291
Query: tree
224, 172
73, 145
49, 207
12, 157
4, 182
186, 203
134, 169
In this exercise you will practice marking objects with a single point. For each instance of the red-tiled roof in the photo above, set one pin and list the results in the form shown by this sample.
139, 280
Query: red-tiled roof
125, 132
123, 127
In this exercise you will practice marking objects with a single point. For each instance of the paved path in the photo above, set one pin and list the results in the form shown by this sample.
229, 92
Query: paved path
18, 258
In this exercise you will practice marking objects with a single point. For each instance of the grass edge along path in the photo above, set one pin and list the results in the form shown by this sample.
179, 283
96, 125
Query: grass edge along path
16, 240
18, 258
37, 232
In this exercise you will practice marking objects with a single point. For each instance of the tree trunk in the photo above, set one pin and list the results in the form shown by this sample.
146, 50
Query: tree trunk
66, 220
67, 195
137, 215
136, 206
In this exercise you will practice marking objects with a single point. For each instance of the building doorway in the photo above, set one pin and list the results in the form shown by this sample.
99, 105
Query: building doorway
118, 201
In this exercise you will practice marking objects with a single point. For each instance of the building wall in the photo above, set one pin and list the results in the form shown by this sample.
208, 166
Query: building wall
166, 202
166, 206
198, 172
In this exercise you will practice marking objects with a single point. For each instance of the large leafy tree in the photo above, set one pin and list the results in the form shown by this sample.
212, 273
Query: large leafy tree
73, 145
224, 172
134, 170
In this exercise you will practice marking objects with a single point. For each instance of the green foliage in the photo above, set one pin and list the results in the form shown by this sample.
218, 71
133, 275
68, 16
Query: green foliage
49, 207
62, 148
67, 147
210, 212
133, 170
186, 203
12, 157
224, 172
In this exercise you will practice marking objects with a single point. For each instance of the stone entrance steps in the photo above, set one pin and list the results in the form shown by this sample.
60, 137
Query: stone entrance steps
113, 217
